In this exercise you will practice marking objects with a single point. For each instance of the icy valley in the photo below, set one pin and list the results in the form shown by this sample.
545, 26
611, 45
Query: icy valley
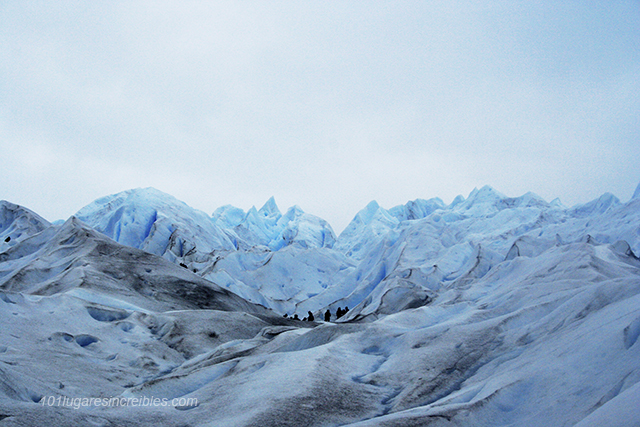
489, 311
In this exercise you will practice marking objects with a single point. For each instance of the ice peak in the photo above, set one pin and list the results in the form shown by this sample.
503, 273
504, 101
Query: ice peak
527, 200
478, 200
149, 191
372, 206
74, 226
229, 215
19, 222
485, 193
10, 211
597, 206
269, 208
149, 197
72, 223
459, 199
366, 215
556, 203
416, 209
293, 212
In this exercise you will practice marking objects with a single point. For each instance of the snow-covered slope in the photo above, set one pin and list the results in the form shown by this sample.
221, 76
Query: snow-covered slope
384, 260
405, 264
284, 279
157, 223
74, 259
368, 226
18, 223
538, 341
490, 311
231, 247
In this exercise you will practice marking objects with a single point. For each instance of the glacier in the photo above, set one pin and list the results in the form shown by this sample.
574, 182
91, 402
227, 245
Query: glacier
250, 253
491, 310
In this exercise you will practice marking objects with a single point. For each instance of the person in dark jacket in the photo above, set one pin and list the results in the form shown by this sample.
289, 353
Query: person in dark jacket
327, 316
310, 317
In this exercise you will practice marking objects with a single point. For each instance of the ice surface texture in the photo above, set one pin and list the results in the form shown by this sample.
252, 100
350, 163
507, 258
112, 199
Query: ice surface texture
294, 263
489, 311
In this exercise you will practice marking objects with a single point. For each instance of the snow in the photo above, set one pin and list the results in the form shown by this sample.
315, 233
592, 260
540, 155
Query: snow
160, 224
492, 310
636, 194
18, 223
621, 411
290, 262
151, 220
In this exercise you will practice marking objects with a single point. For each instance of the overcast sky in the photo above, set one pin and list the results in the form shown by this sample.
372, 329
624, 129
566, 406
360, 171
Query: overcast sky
327, 105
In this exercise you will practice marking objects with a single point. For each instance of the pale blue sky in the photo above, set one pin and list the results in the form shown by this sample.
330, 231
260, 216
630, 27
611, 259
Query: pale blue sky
327, 105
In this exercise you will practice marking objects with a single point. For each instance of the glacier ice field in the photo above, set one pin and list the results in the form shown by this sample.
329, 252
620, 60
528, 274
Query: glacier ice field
490, 311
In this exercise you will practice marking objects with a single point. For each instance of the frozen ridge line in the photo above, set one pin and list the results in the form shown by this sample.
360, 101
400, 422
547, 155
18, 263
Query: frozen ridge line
489, 311
293, 262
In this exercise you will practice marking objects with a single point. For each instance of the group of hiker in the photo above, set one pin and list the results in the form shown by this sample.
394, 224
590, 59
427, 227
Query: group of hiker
327, 315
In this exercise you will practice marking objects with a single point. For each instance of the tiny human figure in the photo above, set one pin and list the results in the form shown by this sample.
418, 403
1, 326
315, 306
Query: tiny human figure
310, 317
286, 315
327, 316
339, 313
295, 317
304, 319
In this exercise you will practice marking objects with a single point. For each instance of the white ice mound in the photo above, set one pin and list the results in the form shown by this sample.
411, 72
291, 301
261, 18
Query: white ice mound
151, 220
18, 223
